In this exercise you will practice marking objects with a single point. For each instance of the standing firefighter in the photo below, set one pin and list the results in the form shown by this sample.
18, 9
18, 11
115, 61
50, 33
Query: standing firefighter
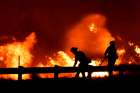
84, 61
111, 55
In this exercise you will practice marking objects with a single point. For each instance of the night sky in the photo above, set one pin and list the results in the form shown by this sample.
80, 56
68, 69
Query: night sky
51, 19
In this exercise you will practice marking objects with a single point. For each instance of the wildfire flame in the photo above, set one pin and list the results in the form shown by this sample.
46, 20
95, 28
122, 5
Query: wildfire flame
64, 60
11, 52
135, 57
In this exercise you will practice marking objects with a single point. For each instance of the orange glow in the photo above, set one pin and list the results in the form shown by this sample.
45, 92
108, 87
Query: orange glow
130, 62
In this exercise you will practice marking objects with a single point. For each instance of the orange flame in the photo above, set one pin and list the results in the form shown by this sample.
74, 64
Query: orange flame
120, 53
92, 28
63, 59
11, 52
137, 49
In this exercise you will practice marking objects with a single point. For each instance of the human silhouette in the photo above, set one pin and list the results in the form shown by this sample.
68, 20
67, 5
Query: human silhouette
111, 55
84, 61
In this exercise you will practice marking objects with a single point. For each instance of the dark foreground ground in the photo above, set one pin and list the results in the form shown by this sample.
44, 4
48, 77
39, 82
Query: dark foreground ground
72, 85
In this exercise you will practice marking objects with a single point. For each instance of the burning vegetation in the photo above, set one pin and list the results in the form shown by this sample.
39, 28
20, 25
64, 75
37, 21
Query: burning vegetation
89, 35
10, 53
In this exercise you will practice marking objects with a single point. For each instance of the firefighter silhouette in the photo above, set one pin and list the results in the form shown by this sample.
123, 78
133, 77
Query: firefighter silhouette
111, 55
84, 61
